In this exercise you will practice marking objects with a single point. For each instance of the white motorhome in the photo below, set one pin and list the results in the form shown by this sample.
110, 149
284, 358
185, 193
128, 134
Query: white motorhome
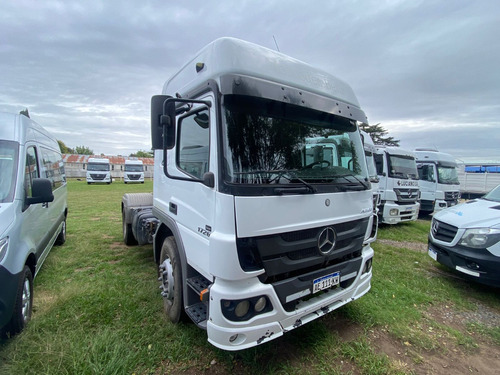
133, 171
398, 185
438, 180
98, 171
255, 233
33, 210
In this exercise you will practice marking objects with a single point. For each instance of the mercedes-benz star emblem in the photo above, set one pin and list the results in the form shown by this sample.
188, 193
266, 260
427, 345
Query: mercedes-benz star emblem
435, 227
326, 240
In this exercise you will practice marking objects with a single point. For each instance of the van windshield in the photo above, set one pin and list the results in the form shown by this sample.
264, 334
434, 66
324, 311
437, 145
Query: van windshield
269, 142
9, 153
133, 168
98, 167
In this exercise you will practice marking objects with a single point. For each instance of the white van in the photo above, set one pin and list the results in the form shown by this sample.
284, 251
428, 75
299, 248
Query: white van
33, 210
134, 171
98, 171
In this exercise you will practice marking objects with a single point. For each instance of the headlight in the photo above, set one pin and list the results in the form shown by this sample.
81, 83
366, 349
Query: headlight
4, 245
480, 237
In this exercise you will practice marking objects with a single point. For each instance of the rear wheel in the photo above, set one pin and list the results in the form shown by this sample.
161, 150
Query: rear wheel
128, 235
170, 277
61, 238
24, 303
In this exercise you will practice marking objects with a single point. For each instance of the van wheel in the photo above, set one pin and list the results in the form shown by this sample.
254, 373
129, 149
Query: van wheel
128, 235
170, 277
61, 238
24, 303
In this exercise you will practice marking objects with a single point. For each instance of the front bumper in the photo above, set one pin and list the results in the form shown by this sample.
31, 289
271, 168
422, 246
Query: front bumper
231, 335
474, 264
392, 213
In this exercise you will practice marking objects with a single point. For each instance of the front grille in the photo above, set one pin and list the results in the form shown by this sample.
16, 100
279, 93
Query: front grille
451, 195
292, 254
134, 176
98, 176
442, 231
406, 195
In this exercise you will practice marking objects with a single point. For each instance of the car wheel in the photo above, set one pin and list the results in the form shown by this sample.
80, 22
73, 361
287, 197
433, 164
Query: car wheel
23, 305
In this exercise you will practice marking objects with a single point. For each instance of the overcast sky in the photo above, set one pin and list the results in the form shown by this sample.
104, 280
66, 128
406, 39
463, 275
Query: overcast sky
427, 71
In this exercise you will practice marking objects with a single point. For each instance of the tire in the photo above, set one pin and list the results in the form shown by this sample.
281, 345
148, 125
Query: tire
128, 235
23, 306
61, 238
170, 277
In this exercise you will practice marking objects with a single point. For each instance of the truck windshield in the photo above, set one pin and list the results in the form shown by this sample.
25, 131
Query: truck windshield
133, 168
402, 166
9, 152
97, 167
268, 142
447, 175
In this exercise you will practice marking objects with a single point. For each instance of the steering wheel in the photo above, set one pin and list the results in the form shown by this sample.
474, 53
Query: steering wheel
319, 162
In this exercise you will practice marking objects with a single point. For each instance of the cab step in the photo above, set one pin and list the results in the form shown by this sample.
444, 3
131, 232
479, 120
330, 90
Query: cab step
198, 313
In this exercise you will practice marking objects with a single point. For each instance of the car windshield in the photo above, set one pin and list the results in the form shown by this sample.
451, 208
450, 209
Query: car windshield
98, 167
402, 166
268, 142
493, 195
9, 152
133, 168
447, 175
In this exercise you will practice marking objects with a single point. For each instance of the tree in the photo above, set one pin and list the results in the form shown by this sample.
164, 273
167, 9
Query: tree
142, 154
83, 150
65, 149
379, 135
25, 112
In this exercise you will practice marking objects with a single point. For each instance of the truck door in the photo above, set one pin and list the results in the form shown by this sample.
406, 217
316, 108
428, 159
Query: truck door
194, 201
427, 175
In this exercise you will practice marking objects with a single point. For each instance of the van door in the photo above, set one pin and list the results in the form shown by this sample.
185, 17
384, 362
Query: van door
34, 228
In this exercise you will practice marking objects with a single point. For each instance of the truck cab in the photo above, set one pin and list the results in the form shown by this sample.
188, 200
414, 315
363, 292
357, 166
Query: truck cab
261, 200
133, 171
398, 186
438, 180
98, 171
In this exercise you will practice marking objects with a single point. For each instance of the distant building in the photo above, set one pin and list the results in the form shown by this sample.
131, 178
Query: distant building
76, 165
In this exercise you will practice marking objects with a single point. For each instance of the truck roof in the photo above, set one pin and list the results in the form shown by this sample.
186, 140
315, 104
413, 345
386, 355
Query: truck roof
98, 160
432, 155
235, 56
134, 162
394, 151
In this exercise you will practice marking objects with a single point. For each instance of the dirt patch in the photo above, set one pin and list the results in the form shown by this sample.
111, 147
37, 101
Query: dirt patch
415, 246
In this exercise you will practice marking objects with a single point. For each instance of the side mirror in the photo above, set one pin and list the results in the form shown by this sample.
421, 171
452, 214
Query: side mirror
41, 192
209, 179
157, 104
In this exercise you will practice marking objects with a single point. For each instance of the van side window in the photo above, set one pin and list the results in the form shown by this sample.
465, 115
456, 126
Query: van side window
193, 144
31, 171
54, 167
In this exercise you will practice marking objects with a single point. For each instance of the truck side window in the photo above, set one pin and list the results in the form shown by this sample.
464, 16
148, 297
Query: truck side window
379, 163
31, 171
193, 144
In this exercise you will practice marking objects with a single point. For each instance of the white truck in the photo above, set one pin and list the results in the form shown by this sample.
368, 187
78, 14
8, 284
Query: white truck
133, 171
398, 185
370, 151
438, 180
254, 237
98, 171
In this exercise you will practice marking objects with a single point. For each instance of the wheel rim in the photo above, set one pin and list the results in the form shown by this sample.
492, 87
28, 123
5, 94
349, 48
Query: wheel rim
26, 304
167, 281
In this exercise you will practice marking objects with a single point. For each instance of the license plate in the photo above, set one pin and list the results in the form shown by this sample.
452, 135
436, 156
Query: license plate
433, 253
326, 282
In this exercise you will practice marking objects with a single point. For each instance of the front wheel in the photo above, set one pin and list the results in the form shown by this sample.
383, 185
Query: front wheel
61, 238
170, 277
24, 303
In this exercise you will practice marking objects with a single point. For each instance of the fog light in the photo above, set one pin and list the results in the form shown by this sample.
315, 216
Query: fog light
368, 265
260, 304
393, 212
242, 308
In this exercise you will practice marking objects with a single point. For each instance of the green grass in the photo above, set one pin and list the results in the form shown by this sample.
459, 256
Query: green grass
97, 310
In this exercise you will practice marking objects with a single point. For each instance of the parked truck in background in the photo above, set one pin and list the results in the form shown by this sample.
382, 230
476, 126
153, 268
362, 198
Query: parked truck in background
398, 185
133, 171
370, 151
438, 180
254, 232
98, 171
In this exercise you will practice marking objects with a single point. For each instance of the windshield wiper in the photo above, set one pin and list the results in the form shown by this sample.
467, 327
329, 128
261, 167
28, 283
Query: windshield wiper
364, 184
307, 188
